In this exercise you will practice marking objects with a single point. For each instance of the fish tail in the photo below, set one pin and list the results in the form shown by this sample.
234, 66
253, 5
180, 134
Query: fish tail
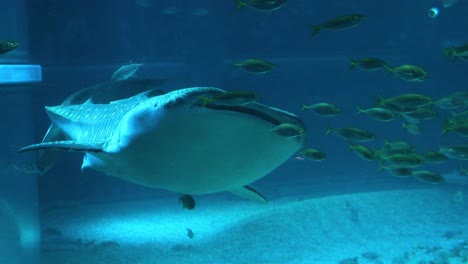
448, 51
463, 170
387, 143
359, 110
315, 29
441, 149
90, 243
450, 121
381, 166
444, 131
236, 66
379, 101
389, 69
240, 4
329, 130
352, 64
378, 155
304, 107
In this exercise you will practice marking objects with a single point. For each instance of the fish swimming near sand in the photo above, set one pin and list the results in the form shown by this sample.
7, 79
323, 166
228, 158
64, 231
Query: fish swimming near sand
190, 233
53, 240
170, 141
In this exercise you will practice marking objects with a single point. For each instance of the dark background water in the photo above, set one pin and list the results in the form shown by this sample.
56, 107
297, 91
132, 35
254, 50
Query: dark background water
194, 43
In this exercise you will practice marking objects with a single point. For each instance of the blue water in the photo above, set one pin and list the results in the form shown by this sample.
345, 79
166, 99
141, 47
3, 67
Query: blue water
195, 43
194, 50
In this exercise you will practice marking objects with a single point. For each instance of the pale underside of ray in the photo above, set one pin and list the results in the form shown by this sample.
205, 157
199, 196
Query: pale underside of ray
165, 143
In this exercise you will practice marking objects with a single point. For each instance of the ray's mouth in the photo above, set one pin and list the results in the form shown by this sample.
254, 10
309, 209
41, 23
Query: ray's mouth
263, 112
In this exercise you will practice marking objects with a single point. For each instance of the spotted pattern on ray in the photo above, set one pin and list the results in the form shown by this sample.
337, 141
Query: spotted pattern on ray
98, 122
91, 122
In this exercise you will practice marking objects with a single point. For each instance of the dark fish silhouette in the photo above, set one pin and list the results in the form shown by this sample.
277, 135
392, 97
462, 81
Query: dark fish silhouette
187, 201
339, 23
189, 233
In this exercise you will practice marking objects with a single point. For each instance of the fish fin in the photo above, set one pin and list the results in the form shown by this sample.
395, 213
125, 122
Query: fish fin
250, 193
205, 101
65, 145
315, 29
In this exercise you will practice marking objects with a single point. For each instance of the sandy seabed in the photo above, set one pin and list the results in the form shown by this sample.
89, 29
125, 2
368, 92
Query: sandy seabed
410, 226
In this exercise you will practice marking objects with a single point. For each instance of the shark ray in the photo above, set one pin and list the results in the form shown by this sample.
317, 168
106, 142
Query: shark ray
171, 141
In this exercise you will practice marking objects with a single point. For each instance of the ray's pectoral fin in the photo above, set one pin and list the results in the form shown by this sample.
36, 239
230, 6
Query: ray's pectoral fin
65, 145
250, 193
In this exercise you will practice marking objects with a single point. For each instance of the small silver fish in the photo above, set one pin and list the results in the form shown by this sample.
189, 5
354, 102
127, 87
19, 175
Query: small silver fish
126, 71
448, 3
